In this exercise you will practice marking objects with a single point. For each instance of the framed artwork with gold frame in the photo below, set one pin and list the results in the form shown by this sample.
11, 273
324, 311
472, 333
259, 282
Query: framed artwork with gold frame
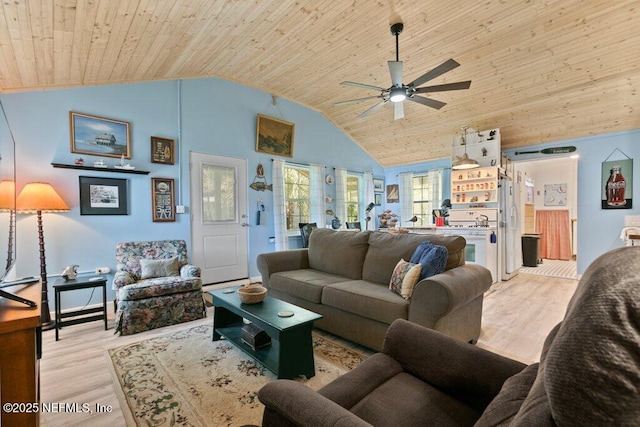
274, 136
99, 136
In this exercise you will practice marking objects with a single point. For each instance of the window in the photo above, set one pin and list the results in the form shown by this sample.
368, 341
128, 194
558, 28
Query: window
218, 194
352, 200
297, 198
427, 196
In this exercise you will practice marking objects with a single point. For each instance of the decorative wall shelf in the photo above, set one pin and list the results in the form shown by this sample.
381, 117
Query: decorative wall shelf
474, 186
93, 168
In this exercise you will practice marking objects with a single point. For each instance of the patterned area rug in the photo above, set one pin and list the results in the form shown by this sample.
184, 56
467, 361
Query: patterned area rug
553, 268
185, 379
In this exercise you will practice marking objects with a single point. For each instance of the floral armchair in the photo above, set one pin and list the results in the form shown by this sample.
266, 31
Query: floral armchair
155, 286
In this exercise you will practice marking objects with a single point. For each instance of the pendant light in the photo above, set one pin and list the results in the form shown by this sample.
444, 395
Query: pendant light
464, 162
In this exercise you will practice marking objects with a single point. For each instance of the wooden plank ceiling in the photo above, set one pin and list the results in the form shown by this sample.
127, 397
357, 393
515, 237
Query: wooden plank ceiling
541, 70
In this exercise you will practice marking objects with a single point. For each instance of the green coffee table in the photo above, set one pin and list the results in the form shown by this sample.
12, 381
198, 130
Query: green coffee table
291, 351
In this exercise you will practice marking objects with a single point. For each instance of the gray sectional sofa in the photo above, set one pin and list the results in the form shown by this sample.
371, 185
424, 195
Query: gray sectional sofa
344, 276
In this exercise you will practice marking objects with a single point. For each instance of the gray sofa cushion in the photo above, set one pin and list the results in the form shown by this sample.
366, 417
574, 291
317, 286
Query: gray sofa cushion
385, 250
305, 283
339, 252
405, 400
366, 299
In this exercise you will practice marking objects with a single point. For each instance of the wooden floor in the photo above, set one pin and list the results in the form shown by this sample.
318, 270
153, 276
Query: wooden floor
518, 314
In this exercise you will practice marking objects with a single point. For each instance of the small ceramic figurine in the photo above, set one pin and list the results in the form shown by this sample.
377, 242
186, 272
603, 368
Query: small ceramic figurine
70, 272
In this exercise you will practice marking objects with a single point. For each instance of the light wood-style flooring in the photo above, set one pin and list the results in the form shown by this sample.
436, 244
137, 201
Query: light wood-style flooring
518, 314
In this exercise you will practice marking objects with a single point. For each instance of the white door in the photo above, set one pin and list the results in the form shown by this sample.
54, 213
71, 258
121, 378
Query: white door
219, 217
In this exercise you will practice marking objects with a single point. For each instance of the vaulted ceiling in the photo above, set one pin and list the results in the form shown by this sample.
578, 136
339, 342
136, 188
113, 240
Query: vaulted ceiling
541, 70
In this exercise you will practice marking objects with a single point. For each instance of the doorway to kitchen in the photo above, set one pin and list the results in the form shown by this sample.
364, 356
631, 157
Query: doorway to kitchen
548, 213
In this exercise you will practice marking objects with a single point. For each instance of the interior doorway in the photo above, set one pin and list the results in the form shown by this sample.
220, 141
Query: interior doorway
549, 210
219, 217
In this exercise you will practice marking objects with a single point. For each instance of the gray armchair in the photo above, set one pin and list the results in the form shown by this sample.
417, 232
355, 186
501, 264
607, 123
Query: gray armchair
589, 373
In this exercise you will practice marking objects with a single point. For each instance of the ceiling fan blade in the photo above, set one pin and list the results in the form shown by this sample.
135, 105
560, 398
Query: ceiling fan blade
363, 86
398, 110
353, 101
438, 71
427, 101
444, 87
395, 69
372, 109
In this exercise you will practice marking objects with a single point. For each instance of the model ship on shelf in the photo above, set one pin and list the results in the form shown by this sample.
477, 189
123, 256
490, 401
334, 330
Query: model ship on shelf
124, 166
99, 164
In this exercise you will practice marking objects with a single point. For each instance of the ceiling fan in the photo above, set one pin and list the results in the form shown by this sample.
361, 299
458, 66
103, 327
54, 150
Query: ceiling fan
399, 92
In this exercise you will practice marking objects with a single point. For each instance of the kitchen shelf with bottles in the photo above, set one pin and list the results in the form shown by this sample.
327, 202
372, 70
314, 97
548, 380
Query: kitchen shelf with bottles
478, 185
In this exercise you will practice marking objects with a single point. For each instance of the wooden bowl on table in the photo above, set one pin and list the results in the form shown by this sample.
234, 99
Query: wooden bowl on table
252, 294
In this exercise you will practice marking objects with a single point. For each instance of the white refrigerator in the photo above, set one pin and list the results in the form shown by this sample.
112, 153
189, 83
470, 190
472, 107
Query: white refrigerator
509, 226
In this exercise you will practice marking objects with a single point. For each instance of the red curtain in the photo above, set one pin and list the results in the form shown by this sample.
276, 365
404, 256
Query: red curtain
555, 229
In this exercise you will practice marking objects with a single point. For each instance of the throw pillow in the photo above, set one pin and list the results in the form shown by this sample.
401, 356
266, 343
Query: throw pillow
433, 259
151, 268
404, 278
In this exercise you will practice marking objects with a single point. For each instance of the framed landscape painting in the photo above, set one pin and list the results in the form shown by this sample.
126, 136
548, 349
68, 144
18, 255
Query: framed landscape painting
274, 136
99, 136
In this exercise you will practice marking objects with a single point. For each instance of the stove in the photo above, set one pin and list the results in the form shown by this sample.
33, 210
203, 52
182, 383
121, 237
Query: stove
482, 247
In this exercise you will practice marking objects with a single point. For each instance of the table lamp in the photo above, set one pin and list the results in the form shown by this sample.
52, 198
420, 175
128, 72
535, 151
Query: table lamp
8, 204
39, 197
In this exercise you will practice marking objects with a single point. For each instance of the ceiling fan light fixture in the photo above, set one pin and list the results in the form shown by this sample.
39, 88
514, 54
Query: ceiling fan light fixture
398, 94
465, 162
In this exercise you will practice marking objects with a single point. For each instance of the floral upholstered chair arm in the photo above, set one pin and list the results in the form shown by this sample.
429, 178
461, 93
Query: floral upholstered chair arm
189, 270
122, 278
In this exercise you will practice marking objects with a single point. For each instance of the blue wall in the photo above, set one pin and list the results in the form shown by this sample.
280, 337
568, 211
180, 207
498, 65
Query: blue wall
218, 117
215, 117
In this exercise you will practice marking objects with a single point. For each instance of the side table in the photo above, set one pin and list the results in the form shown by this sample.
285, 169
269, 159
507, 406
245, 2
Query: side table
62, 285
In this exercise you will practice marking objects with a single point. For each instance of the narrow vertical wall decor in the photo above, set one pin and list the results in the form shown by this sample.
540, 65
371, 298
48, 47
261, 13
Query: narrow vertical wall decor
617, 183
163, 199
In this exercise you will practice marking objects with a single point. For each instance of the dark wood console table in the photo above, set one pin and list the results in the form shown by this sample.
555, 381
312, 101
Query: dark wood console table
20, 342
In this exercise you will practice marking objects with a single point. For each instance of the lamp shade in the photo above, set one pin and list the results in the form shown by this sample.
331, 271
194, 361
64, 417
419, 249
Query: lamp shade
7, 195
39, 196
464, 162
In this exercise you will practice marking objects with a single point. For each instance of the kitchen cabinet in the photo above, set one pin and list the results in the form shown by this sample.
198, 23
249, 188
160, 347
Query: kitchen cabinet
474, 186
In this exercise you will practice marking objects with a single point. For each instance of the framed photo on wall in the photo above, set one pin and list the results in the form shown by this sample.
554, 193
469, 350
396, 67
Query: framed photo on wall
103, 196
377, 199
555, 194
393, 193
378, 185
274, 136
162, 150
99, 136
163, 199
